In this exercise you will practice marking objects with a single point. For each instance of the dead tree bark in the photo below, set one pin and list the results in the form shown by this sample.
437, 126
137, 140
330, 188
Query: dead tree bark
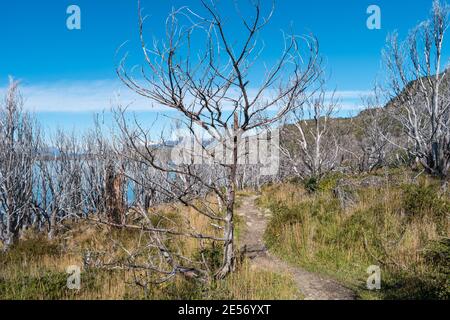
114, 194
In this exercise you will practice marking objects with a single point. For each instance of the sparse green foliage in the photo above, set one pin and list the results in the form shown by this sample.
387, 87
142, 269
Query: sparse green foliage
212, 254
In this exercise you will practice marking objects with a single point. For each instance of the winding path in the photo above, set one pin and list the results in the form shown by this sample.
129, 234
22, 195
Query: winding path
311, 285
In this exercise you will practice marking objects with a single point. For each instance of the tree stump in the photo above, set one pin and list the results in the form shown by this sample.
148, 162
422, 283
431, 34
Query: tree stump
114, 185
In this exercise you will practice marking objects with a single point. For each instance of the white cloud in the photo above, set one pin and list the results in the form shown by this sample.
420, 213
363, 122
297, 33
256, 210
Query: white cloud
98, 95
79, 96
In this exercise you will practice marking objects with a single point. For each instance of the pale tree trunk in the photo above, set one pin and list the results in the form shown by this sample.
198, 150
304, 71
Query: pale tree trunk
52, 229
229, 257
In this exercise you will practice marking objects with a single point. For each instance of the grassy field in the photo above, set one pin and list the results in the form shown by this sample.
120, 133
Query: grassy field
400, 226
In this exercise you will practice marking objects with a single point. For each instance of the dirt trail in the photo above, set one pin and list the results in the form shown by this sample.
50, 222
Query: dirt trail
311, 285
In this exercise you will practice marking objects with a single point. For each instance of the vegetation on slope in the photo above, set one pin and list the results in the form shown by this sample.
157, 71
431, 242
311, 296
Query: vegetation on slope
399, 225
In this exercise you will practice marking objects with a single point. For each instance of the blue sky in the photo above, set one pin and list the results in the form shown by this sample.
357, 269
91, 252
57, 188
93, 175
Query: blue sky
68, 75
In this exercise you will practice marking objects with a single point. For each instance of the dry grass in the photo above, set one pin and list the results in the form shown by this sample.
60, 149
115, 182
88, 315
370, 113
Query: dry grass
36, 267
252, 283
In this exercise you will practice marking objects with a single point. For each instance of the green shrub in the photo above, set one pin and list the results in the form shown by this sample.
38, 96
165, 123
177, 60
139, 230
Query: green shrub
438, 254
420, 286
311, 184
422, 198
324, 184
213, 256
329, 182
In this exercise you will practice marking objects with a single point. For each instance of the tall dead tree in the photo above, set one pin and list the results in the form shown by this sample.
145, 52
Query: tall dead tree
18, 153
374, 130
61, 190
201, 71
310, 146
419, 86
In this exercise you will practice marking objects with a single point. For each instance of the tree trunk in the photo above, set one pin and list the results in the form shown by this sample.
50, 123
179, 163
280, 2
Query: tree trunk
12, 232
114, 196
438, 160
52, 230
229, 258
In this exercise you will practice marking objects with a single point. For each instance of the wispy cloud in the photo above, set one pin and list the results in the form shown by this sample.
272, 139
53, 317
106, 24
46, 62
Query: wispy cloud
99, 95
79, 96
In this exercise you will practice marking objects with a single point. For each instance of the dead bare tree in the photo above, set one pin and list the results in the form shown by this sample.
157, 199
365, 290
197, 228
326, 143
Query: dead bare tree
375, 128
418, 86
98, 154
18, 152
214, 94
310, 146
60, 188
